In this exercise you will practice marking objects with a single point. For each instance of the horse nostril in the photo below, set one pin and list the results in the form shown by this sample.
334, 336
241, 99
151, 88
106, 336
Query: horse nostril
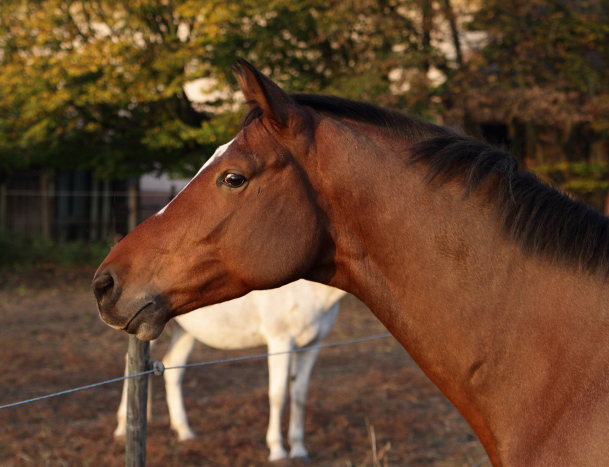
103, 286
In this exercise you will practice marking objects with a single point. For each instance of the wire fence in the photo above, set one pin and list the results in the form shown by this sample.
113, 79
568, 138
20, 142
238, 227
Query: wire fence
159, 369
78, 214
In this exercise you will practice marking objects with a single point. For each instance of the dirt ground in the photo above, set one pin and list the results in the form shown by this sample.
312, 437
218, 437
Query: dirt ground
51, 339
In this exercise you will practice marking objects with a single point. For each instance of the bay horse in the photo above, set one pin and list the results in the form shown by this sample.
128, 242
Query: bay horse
297, 315
495, 283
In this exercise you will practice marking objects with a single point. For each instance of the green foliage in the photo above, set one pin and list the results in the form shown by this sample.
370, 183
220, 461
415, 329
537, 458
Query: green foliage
323, 46
561, 44
27, 251
99, 84
581, 178
94, 84
541, 62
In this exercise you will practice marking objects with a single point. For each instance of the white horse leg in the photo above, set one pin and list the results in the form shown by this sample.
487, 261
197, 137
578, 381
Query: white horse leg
279, 369
181, 345
303, 364
121, 414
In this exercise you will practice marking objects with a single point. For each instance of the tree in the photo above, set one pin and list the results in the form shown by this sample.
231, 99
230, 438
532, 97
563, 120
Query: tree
99, 83
540, 69
541, 61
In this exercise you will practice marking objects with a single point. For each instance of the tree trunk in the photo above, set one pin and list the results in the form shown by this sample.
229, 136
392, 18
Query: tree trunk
427, 10
3, 225
452, 20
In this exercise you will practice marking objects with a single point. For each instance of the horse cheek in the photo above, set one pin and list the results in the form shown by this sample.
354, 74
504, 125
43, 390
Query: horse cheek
281, 248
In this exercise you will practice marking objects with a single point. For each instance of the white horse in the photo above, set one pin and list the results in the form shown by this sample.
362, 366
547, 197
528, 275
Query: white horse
291, 317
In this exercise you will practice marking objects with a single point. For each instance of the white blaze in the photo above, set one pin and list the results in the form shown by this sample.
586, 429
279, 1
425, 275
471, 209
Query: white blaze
221, 150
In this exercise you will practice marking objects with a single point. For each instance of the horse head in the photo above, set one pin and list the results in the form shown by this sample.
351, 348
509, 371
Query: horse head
248, 220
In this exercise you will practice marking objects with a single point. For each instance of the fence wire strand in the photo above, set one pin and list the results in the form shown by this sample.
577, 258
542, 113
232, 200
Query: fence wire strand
214, 362
303, 349
68, 391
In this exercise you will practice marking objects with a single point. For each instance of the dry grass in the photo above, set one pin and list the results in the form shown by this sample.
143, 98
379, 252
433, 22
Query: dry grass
369, 404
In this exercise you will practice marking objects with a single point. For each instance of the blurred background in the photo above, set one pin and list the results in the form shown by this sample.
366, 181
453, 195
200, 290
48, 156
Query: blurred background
107, 105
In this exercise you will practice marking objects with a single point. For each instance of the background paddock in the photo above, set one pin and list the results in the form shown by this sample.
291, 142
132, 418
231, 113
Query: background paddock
51, 339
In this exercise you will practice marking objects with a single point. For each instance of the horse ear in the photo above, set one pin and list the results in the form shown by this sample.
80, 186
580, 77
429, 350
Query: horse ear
262, 91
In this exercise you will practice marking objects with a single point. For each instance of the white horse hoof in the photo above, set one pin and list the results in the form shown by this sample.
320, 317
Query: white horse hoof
120, 432
298, 451
185, 435
278, 455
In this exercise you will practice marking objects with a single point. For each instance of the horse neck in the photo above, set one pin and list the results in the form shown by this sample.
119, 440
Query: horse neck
468, 305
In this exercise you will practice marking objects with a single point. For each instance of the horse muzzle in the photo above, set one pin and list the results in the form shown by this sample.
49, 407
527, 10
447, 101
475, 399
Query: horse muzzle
143, 314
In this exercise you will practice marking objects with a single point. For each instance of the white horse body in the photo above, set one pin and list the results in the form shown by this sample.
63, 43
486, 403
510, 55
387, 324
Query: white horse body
291, 317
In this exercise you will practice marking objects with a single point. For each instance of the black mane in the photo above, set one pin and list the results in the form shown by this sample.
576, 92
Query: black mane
541, 219
399, 123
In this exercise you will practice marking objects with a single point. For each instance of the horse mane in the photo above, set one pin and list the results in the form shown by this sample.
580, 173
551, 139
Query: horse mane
541, 219
399, 123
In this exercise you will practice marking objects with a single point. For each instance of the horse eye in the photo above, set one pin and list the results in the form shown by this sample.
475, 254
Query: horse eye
234, 180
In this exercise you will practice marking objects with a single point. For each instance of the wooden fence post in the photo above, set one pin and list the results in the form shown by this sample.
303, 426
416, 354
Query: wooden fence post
106, 215
94, 224
137, 395
132, 202
3, 224
45, 205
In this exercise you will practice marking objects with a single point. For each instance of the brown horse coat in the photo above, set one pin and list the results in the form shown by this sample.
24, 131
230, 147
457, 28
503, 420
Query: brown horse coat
493, 282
